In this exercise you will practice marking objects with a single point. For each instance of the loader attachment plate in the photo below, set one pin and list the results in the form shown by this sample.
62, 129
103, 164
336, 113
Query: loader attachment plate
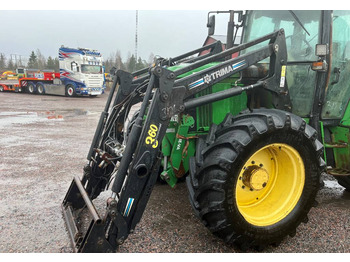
86, 236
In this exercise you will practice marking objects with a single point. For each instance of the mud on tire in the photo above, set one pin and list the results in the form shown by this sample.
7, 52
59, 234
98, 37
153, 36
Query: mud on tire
216, 171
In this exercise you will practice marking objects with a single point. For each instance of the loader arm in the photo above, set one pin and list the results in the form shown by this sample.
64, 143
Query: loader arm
130, 162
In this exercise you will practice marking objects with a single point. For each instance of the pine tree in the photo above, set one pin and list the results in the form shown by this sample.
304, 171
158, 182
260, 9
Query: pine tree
33, 61
50, 63
57, 65
140, 64
131, 64
2, 61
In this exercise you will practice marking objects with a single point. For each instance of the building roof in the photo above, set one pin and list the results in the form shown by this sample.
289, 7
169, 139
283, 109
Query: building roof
223, 38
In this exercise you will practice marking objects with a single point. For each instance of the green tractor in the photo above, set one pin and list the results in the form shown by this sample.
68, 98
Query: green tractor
250, 127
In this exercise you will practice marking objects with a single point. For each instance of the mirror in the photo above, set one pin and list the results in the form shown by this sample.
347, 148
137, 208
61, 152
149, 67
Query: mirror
74, 66
211, 25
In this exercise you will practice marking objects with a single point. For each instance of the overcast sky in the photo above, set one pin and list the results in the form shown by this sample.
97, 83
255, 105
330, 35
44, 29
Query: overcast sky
165, 28
162, 32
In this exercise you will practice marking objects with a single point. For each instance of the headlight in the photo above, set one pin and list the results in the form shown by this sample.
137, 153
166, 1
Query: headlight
321, 49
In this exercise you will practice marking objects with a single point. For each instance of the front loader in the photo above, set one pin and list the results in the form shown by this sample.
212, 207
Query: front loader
227, 122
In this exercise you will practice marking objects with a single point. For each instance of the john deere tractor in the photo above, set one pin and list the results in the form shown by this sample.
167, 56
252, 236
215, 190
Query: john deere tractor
251, 127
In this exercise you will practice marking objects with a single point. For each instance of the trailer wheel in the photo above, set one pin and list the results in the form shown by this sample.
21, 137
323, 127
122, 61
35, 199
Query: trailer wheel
31, 88
255, 178
70, 91
40, 88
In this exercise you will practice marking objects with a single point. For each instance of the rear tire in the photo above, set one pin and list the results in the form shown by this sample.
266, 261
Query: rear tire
235, 185
31, 88
40, 88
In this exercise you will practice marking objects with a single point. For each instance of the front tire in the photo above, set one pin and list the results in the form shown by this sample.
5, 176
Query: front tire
70, 91
255, 178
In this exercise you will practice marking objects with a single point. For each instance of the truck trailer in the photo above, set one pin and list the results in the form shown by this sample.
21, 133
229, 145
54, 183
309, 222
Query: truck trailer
81, 73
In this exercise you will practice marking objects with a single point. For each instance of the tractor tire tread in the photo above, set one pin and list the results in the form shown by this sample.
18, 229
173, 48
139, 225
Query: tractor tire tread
206, 182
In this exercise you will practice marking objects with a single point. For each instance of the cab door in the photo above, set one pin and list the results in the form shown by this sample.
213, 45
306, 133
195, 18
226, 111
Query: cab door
338, 88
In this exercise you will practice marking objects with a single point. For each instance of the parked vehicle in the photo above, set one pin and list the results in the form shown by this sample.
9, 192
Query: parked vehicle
81, 73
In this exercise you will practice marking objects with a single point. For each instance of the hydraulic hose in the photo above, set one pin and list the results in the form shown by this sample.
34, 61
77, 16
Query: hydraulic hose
132, 141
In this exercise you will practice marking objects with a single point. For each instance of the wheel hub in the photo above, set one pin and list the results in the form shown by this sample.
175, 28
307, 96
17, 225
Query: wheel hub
270, 184
255, 177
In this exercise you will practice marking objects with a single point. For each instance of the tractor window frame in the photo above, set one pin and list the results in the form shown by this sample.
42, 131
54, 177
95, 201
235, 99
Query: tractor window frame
301, 79
337, 94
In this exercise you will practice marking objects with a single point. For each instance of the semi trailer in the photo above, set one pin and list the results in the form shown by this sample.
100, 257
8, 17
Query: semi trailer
81, 73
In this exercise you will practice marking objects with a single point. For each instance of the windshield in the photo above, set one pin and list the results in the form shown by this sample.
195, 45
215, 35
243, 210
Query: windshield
301, 33
91, 69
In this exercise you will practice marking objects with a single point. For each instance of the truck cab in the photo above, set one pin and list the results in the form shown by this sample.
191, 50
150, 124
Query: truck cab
81, 71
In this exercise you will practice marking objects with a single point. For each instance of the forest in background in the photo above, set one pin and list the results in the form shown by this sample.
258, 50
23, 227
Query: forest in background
37, 60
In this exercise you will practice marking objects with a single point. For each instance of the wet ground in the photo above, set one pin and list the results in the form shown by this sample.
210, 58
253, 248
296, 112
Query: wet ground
44, 142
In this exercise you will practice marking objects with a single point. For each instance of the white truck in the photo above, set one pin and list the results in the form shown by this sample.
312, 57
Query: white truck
81, 73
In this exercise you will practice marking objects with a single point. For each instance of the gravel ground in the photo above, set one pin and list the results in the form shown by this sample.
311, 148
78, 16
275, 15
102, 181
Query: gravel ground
44, 142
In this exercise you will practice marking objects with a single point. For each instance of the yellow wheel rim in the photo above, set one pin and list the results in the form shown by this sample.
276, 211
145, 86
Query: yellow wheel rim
270, 184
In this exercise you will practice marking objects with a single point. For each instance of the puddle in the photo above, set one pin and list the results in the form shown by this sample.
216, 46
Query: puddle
8, 119
80, 112
11, 118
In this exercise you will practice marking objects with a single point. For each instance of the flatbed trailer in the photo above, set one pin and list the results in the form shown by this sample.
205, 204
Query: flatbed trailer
10, 85
33, 82
80, 73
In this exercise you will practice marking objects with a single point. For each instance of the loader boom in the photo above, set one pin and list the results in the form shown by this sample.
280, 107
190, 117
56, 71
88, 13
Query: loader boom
130, 162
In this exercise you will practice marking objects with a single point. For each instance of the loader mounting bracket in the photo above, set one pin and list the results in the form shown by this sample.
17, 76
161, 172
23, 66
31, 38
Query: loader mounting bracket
91, 240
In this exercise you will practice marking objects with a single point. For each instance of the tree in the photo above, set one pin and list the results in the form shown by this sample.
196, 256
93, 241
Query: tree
10, 65
57, 64
140, 64
2, 61
119, 61
131, 64
20, 63
41, 60
108, 64
50, 63
33, 61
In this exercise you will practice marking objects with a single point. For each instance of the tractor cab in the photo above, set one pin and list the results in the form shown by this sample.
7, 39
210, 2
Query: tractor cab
318, 46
